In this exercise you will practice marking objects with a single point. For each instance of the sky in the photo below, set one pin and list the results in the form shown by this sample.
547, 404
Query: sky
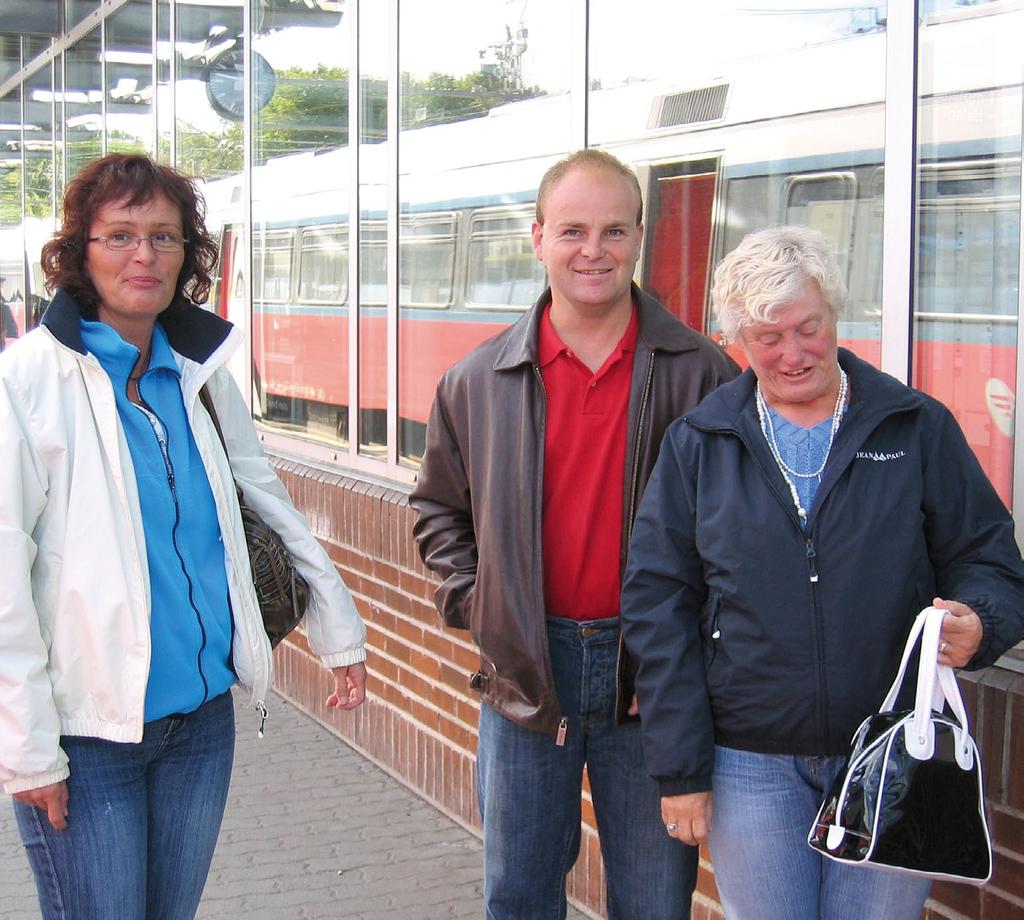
657, 35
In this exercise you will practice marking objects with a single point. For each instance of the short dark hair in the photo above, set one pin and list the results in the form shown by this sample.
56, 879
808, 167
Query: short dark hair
130, 179
588, 158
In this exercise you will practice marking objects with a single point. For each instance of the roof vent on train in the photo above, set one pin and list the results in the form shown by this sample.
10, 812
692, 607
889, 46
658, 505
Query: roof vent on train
689, 107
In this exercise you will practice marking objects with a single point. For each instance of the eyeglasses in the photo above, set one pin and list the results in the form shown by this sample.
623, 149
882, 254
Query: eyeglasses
124, 242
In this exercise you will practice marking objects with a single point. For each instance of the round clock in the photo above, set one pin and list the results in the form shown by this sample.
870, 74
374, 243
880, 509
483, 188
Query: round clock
225, 83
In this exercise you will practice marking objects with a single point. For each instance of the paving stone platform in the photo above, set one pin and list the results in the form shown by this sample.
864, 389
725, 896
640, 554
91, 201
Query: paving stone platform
313, 831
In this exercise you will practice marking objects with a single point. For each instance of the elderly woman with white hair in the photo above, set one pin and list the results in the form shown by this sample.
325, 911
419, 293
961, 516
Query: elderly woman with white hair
795, 523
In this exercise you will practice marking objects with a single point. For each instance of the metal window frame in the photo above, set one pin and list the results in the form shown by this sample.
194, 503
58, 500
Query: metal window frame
899, 198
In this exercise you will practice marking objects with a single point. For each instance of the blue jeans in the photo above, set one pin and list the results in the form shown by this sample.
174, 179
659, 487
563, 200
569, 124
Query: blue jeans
763, 807
143, 821
529, 795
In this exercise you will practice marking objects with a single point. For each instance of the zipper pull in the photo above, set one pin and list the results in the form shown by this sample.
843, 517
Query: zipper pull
563, 727
262, 710
812, 562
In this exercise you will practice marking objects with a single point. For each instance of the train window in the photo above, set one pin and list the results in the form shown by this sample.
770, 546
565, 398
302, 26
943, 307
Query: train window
969, 239
965, 309
323, 266
503, 269
831, 202
966, 296
426, 260
824, 201
373, 263
751, 202
864, 275
272, 265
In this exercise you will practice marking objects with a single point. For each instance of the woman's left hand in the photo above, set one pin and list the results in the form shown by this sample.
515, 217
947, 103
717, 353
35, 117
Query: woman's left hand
349, 687
961, 633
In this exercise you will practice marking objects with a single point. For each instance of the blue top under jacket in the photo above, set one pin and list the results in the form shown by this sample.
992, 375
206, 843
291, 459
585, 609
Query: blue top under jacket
191, 622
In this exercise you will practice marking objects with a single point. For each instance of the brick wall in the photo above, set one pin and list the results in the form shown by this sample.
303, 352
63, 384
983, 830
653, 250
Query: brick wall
419, 721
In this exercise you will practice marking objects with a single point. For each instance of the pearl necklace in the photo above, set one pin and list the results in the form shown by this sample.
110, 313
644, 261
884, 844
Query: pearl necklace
768, 430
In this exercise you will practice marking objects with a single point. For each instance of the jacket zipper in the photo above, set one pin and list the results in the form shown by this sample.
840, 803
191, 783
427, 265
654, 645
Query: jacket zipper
160, 432
631, 513
812, 574
812, 577
812, 561
635, 472
563, 722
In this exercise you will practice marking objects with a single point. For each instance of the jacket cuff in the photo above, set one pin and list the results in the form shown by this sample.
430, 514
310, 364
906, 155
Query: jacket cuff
676, 785
983, 657
37, 781
344, 659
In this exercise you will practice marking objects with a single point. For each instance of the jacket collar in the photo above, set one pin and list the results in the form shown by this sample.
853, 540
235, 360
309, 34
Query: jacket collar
192, 332
873, 394
659, 331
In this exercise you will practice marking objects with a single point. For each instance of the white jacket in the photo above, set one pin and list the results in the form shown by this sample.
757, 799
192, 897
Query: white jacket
74, 582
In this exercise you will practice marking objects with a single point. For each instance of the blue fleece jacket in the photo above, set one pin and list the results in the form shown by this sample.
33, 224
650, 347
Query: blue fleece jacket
191, 623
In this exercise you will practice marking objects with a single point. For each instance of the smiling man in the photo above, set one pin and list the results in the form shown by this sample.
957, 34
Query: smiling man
539, 445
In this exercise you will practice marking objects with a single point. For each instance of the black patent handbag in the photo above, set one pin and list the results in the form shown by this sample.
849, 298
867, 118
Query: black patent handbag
910, 795
281, 591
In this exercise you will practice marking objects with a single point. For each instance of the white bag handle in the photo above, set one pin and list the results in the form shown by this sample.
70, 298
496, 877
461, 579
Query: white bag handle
936, 684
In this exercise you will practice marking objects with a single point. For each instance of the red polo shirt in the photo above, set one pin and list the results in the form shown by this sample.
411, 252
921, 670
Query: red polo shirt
584, 466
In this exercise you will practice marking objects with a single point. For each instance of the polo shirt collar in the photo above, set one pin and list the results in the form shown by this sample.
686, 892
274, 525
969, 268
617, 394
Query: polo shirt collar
550, 346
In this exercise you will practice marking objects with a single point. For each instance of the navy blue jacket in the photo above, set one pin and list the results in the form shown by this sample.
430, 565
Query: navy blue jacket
753, 633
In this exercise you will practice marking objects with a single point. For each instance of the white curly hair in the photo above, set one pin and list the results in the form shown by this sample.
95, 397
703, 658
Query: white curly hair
769, 269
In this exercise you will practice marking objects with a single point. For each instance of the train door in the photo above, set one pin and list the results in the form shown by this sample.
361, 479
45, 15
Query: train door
221, 293
228, 301
678, 235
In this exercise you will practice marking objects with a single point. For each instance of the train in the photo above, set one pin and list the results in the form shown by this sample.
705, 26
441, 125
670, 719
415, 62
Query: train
760, 146
793, 137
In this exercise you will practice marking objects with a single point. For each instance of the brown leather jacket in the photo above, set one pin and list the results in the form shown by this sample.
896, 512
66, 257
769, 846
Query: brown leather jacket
478, 494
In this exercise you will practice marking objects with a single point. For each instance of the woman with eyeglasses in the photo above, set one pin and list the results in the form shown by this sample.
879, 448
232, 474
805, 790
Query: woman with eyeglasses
127, 608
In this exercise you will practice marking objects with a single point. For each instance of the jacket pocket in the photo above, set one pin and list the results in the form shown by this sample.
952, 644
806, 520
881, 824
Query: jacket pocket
454, 599
711, 629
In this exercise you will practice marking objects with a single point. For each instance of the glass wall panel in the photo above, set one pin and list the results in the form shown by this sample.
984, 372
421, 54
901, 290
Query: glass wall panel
968, 222
10, 56
128, 54
300, 202
484, 110
164, 95
59, 133
208, 87
34, 45
77, 10
39, 222
10, 157
38, 125
742, 115
11, 207
373, 239
206, 101
83, 102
